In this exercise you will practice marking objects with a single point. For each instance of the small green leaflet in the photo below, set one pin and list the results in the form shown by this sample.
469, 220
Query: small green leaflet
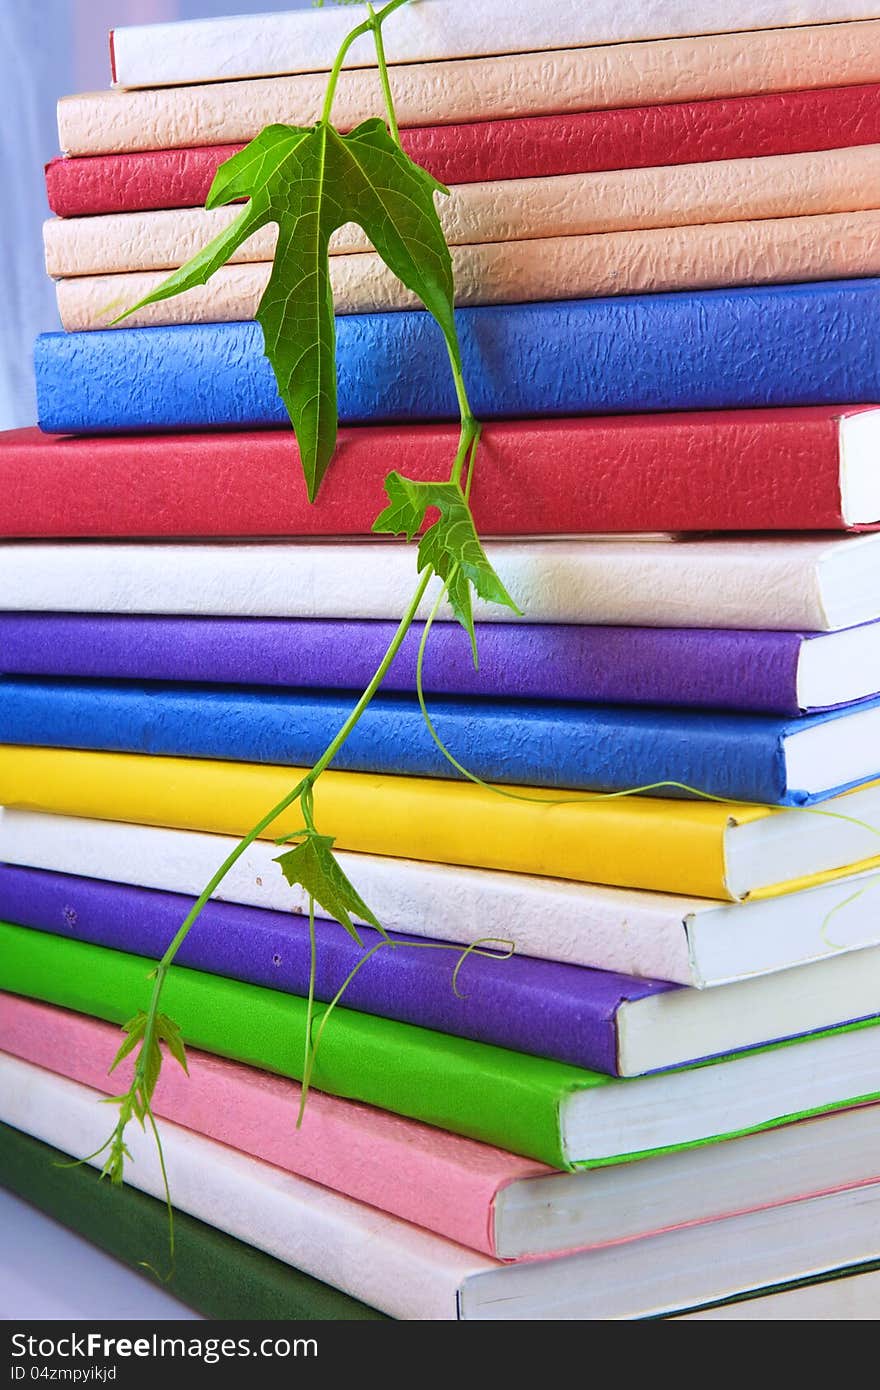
314, 867
311, 181
451, 546
165, 1030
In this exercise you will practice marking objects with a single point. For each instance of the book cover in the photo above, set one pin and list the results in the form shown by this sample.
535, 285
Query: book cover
600, 748
641, 842
221, 1277
209, 50
596, 1019
504, 1098
693, 668
547, 1009
779, 345
814, 583
783, 470
493, 1202
525, 147
692, 941
413, 1274
775, 251
481, 89
567, 205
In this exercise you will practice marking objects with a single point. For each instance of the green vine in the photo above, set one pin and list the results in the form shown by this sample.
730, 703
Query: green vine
310, 181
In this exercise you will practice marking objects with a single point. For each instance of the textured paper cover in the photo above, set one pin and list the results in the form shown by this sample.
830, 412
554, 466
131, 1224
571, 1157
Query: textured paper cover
734, 190
413, 1274
481, 89
552, 919
691, 668
599, 748
722, 582
220, 1277
769, 345
206, 50
528, 147
388, 1263
647, 934
706, 471
502, 1097
424, 1175
773, 251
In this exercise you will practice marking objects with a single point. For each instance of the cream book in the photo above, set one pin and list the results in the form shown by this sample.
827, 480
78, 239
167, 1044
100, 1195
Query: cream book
726, 190
480, 89
773, 251
259, 45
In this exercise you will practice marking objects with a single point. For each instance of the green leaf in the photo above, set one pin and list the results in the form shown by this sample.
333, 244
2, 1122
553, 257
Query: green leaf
135, 1028
311, 182
169, 1033
313, 866
451, 547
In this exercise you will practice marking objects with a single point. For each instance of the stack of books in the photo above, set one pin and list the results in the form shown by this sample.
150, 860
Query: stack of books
666, 246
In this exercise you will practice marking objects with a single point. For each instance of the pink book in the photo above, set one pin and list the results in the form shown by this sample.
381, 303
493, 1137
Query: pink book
481, 1197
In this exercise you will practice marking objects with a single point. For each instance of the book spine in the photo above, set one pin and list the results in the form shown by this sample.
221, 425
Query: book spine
500, 1097
401, 1270
692, 668
220, 1277
443, 93
649, 583
578, 142
540, 1007
439, 1181
569, 206
547, 919
599, 748
632, 842
208, 50
773, 251
783, 345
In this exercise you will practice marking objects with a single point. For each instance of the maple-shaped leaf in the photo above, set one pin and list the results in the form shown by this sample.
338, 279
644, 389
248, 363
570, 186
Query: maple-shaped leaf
311, 181
312, 865
451, 547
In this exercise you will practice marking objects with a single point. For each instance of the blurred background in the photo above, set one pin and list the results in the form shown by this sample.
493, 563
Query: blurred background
49, 48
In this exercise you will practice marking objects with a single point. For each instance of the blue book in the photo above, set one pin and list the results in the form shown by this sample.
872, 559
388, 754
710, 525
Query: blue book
740, 757
779, 345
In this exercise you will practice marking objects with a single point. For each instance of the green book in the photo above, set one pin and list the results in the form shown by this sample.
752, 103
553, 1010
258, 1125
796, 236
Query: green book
550, 1111
215, 1274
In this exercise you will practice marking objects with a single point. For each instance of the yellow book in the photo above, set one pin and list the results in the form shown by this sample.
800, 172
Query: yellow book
701, 848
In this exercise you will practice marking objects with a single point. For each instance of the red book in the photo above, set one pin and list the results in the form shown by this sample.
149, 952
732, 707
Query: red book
810, 469
533, 147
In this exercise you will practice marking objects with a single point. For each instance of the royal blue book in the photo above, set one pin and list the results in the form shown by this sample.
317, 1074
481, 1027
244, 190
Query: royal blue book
596, 1019
739, 757
810, 344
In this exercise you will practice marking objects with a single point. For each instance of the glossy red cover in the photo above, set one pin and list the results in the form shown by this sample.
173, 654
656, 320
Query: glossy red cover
738, 470
530, 147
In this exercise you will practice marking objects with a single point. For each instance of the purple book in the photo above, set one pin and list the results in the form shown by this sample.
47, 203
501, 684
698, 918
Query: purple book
767, 672
564, 1012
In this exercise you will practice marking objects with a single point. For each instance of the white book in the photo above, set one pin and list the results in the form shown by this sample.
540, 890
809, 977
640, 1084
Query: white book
307, 40
800, 583
690, 941
851, 1298
804, 583
725, 190
412, 1274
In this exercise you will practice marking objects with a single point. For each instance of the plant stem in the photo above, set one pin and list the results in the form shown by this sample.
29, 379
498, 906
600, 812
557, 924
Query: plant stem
390, 113
374, 23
